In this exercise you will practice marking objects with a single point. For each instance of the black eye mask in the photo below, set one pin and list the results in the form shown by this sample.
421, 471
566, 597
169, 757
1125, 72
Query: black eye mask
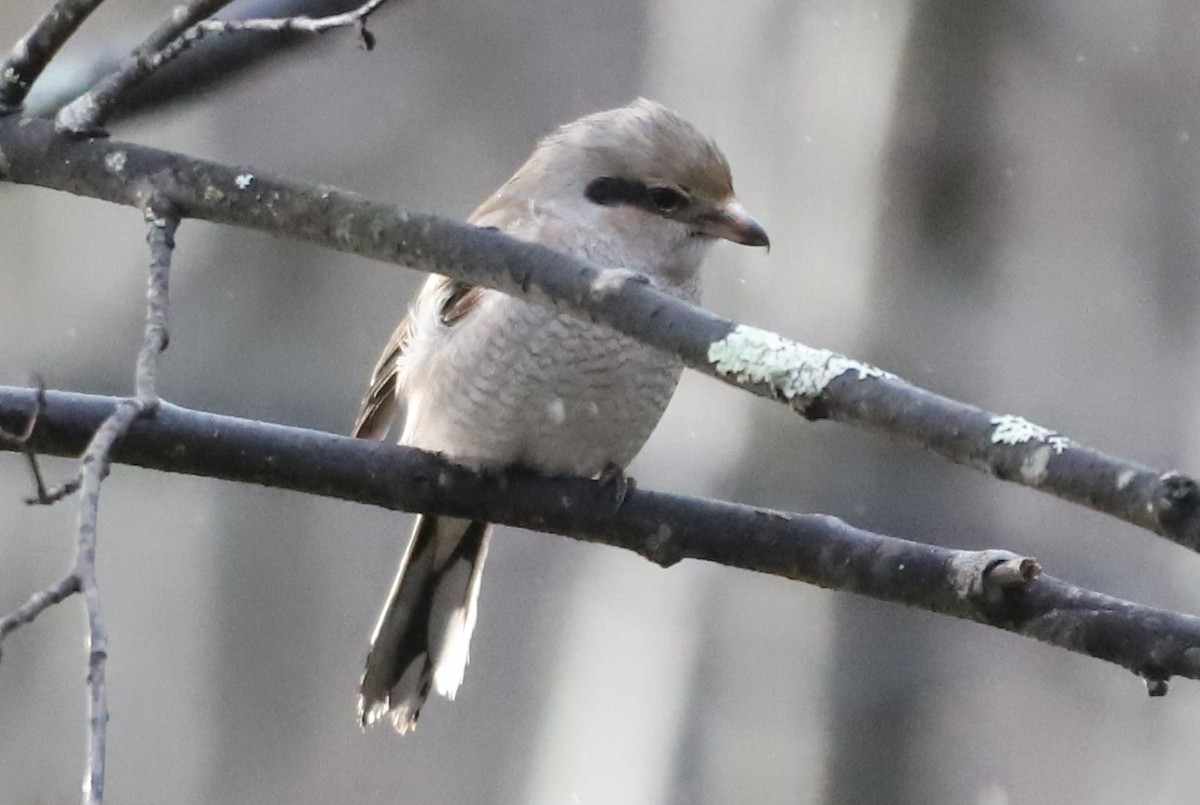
611, 191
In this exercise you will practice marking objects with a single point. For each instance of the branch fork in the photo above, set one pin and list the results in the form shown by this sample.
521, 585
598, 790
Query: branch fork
94, 466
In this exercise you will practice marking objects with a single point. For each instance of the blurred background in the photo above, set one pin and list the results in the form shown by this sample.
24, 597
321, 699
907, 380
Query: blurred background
997, 201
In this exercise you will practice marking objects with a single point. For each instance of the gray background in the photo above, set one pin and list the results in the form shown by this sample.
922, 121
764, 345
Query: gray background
995, 200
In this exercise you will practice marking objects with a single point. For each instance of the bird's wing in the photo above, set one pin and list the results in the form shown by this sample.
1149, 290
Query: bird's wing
441, 299
451, 300
378, 408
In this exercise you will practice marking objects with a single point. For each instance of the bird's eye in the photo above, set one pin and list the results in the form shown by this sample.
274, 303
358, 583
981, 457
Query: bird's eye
667, 199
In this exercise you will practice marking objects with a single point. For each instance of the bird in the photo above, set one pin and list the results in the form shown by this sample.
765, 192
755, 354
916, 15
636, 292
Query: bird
491, 381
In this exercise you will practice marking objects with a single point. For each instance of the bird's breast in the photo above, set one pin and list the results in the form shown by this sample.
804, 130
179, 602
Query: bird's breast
520, 385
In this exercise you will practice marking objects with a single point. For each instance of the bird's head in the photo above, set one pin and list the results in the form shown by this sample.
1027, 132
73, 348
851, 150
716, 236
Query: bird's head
643, 175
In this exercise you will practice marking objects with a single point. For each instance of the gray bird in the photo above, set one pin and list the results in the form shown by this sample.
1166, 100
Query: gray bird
492, 381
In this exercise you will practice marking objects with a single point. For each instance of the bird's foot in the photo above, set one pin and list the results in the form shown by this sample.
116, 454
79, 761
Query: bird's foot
614, 477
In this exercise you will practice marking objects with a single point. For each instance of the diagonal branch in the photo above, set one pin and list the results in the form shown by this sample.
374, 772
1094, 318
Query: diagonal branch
38, 603
88, 114
94, 467
36, 48
995, 588
216, 62
816, 383
278, 25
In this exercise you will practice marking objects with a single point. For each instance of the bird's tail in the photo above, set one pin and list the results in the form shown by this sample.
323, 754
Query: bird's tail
425, 628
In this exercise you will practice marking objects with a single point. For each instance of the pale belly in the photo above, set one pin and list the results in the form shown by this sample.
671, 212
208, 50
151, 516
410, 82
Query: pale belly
522, 386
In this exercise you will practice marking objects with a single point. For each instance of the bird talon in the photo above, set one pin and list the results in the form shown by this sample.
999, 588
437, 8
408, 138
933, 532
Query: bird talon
622, 484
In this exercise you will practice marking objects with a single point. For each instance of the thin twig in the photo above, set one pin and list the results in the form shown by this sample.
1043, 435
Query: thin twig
87, 114
49, 495
214, 63
299, 24
38, 603
94, 468
21, 439
36, 48
160, 235
95, 465
42, 494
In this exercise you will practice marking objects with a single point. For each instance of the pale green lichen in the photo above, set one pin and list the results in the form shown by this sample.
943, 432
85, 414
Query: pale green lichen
115, 161
1011, 429
212, 193
791, 369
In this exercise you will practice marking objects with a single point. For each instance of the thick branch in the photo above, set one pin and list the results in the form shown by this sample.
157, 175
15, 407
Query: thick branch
816, 383
35, 49
991, 587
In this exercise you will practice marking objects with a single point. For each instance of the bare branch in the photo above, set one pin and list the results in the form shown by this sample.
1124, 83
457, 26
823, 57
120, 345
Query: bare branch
996, 588
160, 237
88, 113
298, 24
35, 49
49, 495
94, 467
211, 65
20, 438
816, 383
38, 603
21, 441
96, 462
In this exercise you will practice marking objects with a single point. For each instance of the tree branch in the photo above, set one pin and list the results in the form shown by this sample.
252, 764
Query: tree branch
816, 383
88, 113
38, 603
20, 440
94, 467
995, 588
275, 25
210, 65
35, 49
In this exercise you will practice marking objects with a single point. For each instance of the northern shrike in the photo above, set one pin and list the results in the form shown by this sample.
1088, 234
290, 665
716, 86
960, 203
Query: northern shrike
490, 380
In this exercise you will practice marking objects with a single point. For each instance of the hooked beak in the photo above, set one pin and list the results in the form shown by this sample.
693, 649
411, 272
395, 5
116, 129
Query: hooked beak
731, 222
